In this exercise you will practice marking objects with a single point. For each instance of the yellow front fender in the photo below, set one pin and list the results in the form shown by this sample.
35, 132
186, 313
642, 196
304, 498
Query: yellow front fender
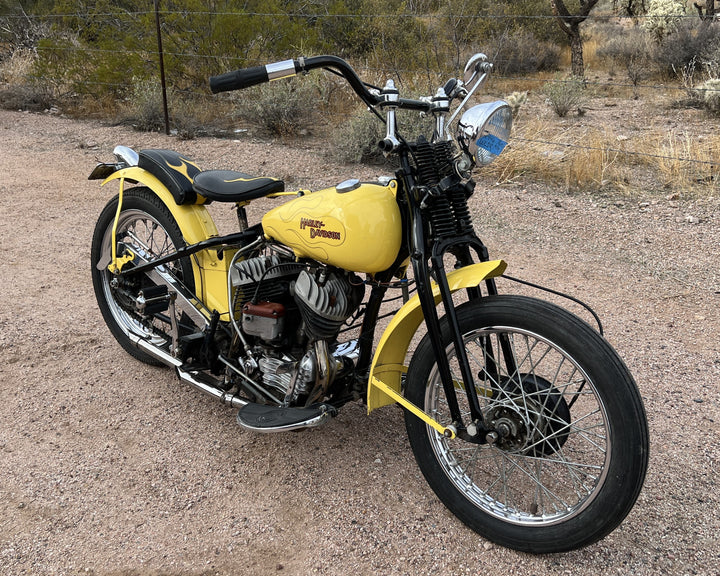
196, 225
384, 385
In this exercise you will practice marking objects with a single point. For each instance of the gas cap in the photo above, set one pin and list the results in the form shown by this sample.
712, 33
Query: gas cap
347, 186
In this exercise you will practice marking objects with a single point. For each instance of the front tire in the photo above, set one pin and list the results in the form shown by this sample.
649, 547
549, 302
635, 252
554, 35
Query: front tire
573, 452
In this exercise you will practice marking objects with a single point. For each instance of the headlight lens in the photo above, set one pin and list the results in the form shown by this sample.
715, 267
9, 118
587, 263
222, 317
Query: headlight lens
484, 130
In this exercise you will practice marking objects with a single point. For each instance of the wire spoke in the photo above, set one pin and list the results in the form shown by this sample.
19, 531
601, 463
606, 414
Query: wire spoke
552, 454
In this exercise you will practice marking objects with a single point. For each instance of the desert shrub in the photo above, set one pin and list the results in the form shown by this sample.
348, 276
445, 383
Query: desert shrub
143, 107
565, 95
143, 110
520, 52
187, 117
18, 30
709, 92
32, 97
284, 108
22, 91
356, 140
627, 50
16, 67
689, 42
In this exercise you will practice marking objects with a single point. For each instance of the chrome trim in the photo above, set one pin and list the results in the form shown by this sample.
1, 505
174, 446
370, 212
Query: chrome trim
224, 397
169, 360
476, 73
126, 155
188, 304
278, 70
348, 185
349, 349
249, 382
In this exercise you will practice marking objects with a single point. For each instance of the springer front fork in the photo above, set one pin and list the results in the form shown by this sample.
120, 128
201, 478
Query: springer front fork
428, 266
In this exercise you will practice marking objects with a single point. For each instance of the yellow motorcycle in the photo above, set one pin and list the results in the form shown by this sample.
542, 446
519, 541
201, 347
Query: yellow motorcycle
523, 419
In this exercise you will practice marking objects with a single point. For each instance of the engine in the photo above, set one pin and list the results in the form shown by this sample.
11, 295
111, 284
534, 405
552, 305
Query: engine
291, 314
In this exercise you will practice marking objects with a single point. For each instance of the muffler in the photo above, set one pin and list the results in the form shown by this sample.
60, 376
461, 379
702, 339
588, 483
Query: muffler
185, 376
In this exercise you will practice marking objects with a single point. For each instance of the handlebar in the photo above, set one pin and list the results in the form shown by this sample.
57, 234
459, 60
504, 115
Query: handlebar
476, 72
238, 79
246, 77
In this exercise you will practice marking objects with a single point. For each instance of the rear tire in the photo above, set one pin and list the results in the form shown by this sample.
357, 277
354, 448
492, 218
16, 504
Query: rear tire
572, 458
146, 223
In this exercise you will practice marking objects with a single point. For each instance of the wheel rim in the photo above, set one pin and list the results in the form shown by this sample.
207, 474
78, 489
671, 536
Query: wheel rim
151, 240
553, 458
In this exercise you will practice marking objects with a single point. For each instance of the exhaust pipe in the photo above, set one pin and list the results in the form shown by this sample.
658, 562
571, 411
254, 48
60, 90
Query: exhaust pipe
171, 361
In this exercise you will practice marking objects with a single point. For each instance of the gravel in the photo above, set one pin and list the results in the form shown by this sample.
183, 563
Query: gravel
112, 467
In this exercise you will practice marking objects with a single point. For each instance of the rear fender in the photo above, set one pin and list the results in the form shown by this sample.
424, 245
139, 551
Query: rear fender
384, 385
196, 224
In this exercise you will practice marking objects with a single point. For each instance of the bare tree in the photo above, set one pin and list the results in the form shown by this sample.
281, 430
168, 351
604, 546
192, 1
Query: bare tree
570, 24
705, 8
632, 8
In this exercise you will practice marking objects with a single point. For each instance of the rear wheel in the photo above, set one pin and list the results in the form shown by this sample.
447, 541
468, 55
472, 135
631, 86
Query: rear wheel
146, 224
572, 441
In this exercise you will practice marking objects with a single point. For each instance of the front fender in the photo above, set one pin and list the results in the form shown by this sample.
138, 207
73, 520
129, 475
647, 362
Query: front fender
388, 364
196, 225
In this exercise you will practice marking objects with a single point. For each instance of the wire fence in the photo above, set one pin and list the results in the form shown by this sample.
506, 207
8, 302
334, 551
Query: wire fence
145, 49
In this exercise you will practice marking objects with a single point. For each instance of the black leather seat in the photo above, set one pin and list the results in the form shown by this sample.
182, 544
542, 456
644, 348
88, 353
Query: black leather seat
232, 186
174, 170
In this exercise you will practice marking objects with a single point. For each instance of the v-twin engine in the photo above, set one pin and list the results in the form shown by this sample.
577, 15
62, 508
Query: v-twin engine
292, 314
274, 287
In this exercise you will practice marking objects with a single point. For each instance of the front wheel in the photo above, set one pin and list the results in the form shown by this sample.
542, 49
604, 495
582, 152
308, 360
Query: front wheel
572, 440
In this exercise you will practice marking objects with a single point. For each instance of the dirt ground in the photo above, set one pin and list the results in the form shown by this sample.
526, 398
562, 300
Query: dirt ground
111, 467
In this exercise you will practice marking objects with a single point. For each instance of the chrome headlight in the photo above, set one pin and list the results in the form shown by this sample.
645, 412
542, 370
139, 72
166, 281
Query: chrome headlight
483, 131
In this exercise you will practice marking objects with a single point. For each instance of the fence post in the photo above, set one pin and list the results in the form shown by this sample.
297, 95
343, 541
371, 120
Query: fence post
162, 68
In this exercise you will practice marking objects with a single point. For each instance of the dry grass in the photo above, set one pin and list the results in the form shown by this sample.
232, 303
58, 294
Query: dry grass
16, 69
690, 162
581, 158
590, 157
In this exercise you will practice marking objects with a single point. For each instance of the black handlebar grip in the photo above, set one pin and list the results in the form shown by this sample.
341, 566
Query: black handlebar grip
239, 79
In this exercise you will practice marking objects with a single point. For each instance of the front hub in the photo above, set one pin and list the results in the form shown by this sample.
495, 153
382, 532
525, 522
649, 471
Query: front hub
529, 417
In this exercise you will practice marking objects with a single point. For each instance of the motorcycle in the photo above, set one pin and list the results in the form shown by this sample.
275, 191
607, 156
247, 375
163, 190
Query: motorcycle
522, 418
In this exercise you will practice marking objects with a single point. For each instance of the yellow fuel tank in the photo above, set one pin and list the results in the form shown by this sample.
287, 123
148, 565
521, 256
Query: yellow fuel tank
352, 226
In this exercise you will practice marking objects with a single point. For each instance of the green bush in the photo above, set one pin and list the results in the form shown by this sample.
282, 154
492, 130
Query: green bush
565, 95
286, 108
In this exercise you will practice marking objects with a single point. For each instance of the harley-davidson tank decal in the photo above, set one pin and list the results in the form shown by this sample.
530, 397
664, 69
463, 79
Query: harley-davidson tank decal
358, 230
